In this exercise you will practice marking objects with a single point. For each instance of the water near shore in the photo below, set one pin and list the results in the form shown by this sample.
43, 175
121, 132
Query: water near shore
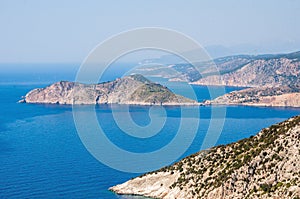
41, 155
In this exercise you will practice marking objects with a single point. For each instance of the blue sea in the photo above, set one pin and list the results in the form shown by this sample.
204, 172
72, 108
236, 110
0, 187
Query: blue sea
42, 156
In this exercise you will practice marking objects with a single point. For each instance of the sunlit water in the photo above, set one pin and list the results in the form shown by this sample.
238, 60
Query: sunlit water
41, 155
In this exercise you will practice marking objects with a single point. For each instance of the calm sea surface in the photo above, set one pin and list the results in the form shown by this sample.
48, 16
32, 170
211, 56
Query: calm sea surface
41, 155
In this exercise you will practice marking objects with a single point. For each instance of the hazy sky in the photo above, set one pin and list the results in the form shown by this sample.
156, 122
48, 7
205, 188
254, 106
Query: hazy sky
65, 31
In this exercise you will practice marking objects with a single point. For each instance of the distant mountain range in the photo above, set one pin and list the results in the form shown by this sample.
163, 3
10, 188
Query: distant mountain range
216, 51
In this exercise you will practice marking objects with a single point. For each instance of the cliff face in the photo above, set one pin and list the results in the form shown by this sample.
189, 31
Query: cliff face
262, 166
134, 89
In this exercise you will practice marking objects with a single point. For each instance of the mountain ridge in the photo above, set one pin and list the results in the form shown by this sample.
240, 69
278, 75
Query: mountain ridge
204, 72
272, 71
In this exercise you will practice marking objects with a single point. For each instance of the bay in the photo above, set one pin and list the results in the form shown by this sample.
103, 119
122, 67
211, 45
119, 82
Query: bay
42, 156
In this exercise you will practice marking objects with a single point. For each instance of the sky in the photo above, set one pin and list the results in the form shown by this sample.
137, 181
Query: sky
59, 31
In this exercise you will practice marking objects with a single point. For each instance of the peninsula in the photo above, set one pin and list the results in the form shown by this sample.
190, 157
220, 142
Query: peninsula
133, 89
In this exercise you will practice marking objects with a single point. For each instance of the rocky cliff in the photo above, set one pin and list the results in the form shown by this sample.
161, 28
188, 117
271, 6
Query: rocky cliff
134, 89
262, 166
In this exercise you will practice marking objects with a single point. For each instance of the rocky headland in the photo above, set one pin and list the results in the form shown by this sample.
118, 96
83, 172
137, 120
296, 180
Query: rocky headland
263, 166
133, 89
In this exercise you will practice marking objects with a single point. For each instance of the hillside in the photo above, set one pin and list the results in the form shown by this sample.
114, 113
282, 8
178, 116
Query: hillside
262, 96
134, 89
262, 166
190, 73
237, 70
274, 80
264, 70
263, 73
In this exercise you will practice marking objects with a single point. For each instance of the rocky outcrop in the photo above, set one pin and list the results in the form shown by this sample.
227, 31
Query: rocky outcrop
262, 166
265, 96
134, 89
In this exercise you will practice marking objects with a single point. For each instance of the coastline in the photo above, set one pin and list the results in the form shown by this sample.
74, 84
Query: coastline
129, 103
250, 104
